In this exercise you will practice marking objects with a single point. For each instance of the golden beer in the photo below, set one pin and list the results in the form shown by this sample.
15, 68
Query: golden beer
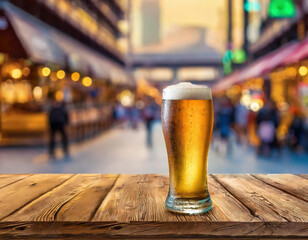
187, 125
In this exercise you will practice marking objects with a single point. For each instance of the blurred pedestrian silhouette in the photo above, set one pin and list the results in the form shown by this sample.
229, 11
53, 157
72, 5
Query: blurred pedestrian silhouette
225, 118
297, 131
134, 116
58, 120
267, 121
151, 114
241, 120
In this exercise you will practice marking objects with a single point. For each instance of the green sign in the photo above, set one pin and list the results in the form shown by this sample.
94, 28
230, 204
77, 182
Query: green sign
239, 56
227, 62
281, 9
252, 6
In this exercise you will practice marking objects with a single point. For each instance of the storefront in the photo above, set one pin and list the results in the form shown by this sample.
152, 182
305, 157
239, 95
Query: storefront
280, 76
46, 63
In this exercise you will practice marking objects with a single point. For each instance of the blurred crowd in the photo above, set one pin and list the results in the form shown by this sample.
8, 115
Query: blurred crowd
233, 124
148, 115
261, 129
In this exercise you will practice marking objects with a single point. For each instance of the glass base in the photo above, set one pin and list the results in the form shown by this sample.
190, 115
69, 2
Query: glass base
188, 205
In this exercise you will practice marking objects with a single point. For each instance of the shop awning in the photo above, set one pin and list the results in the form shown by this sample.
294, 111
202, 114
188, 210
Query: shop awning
33, 35
82, 58
226, 82
299, 53
267, 63
258, 68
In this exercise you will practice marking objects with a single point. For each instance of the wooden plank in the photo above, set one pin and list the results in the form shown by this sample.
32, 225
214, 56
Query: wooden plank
152, 193
289, 183
303, 175
229, 205
46, 207
266, 202
84, 205
7, 179
158, 230
244, 207
121, 203
142, 198
19, 194
99, 237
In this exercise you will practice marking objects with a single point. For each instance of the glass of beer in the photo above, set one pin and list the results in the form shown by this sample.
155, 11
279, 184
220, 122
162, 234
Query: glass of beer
187, 121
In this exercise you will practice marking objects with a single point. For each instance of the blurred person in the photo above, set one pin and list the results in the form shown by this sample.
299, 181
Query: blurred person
267, 122
297, 131
120, 113
241, 119
225, 118
151, 114
134, 116
58, 120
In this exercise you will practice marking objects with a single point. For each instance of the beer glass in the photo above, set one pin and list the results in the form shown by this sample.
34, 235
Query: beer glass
187, 121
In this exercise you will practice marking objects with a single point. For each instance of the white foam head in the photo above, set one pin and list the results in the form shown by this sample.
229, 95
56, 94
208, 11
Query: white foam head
187, 90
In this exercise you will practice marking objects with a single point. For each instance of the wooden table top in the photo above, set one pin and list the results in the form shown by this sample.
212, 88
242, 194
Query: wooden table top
95, 206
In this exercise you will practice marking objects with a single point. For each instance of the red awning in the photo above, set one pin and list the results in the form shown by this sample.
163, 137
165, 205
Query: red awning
268, 63
226, 82
299, 53
258, 68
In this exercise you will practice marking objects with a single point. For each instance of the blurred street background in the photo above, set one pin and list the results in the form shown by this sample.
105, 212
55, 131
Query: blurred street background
81, 83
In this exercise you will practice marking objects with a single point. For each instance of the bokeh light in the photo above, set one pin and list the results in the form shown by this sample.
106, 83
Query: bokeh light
303, 70
45, 71
16, 73
126, 98
75, 76
37, 93
60, 74
87, 81
254, 106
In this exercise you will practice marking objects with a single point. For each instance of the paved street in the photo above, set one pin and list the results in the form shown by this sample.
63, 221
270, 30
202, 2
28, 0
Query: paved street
123, 150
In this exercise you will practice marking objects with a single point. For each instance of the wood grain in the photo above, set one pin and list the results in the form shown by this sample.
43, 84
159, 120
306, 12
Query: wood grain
47, 206
289, 183
303, 175
265, 201
7, 179
158, 230
121, 203
21, 193
84, 205
229, 205
94, 206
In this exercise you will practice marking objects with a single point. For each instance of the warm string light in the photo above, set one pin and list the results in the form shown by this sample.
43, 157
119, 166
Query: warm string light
126, 98
45, 71
60, 74
87, 81
16, 73
303, 70
75, 76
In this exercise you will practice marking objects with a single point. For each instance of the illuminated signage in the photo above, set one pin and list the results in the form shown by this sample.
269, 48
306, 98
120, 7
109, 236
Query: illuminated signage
281, 9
